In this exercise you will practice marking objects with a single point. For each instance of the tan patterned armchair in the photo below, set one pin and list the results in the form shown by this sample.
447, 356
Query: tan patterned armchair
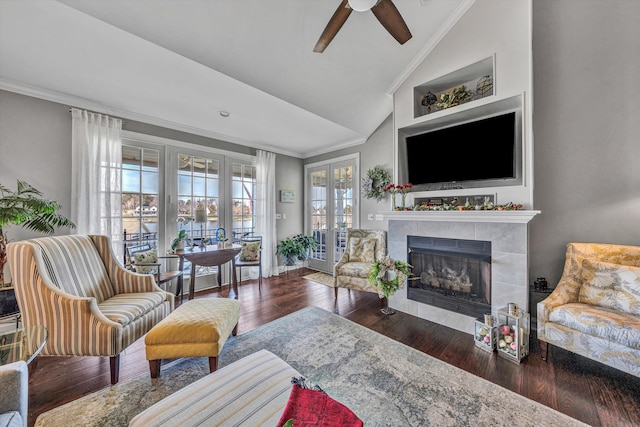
363, 248
89, 303
595, 309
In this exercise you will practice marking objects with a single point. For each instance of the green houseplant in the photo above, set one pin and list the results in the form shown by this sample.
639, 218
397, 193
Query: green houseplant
26, 207
291, 249
182, 237
308, 244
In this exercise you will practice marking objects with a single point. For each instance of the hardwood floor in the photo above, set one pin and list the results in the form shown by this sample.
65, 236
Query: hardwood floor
583, 389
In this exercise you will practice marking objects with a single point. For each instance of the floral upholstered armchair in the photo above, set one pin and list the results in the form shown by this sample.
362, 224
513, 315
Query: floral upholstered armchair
363, 248
595, 309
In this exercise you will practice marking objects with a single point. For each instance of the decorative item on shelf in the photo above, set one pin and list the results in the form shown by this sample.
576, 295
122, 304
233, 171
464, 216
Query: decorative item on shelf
374, 184
26, 207
392, 189
485, 335
487, 206
513, 333
403, 189
389, 275
454, 97
428, 100
484, 86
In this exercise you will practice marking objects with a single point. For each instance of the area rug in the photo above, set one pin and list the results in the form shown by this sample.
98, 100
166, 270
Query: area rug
384, 382
322, 278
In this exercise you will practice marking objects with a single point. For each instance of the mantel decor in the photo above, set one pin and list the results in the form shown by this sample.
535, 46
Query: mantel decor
374, 184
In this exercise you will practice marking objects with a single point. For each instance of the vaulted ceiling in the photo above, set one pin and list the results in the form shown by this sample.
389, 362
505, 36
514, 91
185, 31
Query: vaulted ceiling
177, 64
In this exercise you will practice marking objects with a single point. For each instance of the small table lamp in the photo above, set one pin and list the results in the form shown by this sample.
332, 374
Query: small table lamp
201, 217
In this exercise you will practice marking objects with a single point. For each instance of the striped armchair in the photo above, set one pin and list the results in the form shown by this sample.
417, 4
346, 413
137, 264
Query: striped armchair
90, 304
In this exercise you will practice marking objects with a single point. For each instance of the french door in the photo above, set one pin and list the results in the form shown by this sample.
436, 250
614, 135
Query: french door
331, 208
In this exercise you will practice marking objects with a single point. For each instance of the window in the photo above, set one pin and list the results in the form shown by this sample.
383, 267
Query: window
164, 180
243, 192
199, 194
140, 197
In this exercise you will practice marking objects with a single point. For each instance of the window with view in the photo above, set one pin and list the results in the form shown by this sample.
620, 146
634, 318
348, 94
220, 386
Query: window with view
140, 197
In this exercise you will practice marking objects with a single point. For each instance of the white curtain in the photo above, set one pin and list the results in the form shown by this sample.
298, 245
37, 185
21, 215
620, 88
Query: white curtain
266, 214
96, 161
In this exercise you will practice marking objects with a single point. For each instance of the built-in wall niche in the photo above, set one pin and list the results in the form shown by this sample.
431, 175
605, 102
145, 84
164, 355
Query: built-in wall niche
475, 146
477, 79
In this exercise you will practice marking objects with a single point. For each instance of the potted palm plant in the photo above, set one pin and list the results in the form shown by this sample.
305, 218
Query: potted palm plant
26, 207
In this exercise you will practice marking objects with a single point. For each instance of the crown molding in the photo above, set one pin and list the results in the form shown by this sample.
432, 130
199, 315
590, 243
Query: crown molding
430, 45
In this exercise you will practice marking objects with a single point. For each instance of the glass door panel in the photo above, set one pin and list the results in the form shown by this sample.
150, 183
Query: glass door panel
141, 209
318, 214
330, 210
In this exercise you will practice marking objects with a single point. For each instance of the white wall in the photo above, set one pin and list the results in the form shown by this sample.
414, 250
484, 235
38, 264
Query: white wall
490, 27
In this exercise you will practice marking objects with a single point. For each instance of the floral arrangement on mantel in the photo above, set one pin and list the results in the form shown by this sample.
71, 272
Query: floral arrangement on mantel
486, 206
403, 189
388, 275
375, 182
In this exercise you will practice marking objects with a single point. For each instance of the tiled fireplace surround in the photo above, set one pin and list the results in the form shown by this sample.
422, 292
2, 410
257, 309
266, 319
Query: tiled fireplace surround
506, 230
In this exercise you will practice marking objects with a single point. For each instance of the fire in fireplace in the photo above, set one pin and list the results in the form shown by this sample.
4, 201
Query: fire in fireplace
453, 274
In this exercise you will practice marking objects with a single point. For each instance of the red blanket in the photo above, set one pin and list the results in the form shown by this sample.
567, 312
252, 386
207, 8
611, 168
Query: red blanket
314, 408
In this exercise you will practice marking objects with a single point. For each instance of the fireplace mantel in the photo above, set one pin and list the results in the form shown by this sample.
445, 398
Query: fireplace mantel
506, 217
506, 230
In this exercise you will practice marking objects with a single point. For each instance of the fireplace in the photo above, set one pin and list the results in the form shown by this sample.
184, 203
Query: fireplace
452, 274
506, 231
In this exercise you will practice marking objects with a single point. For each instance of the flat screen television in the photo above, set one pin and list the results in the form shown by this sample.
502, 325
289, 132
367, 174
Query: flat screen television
484, 152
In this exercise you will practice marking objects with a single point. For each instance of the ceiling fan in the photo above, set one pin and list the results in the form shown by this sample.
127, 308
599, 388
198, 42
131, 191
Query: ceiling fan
384, 10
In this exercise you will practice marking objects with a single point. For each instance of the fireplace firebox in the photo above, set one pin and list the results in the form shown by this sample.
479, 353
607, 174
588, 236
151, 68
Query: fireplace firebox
452, 274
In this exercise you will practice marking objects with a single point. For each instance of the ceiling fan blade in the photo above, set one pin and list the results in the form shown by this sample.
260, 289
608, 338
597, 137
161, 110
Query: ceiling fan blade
390, 18
335, 23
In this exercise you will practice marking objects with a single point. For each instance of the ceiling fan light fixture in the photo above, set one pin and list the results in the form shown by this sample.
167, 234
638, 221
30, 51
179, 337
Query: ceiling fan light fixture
362, 5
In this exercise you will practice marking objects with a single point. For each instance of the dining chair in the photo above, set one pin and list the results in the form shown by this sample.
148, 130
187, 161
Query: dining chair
144, 259
250, 256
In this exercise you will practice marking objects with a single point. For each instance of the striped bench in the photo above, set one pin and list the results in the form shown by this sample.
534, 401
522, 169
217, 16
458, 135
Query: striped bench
252, 391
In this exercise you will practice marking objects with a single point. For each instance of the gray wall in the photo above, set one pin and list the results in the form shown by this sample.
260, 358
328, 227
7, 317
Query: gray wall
35, 146
378, 150
586, 126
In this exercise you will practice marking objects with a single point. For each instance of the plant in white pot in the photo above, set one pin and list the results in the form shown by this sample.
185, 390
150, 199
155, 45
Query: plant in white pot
26, 207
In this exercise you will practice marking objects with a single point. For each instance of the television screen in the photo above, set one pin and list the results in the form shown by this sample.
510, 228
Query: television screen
480, 150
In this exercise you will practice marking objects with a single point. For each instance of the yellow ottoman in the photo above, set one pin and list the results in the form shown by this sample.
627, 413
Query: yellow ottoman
198, 328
